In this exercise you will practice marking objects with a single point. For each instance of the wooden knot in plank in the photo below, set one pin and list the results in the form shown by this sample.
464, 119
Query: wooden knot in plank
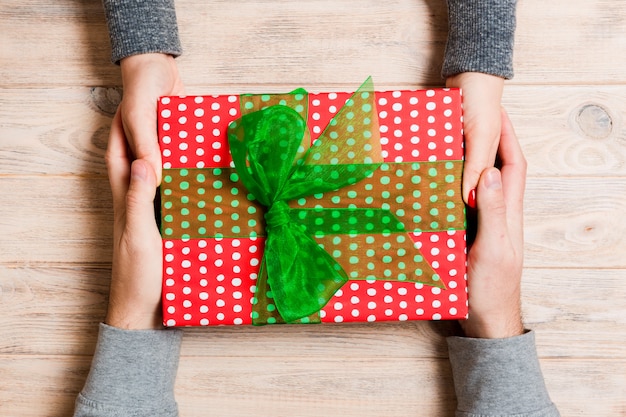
105, 99
594, 121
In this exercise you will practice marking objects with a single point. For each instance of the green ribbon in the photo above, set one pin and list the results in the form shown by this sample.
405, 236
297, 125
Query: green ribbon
271, 155
267, 150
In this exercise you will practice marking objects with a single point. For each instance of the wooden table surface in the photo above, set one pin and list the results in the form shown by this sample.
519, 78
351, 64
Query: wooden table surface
58, 92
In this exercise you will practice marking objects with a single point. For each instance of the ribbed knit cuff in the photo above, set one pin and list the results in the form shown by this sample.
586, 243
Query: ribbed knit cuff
141, 27
133, 372
480, 37
498, 377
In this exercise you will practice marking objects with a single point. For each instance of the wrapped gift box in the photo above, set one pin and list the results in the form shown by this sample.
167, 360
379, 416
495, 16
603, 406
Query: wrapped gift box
213, 231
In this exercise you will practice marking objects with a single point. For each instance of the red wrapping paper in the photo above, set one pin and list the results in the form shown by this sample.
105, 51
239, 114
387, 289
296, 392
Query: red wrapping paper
211, 281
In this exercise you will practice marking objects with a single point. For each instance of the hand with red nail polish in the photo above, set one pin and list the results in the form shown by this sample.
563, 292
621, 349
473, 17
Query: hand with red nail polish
482, 97
495, 258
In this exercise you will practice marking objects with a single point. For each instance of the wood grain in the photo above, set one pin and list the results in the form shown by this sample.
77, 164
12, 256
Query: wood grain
47, 44
373, 388
44, 386
321, 43
79, 232
559, 44
55, 131
287, 386
570, 131
576, 313
575, 222
570, 222
56, 307
295, 386
58, 92
565, 131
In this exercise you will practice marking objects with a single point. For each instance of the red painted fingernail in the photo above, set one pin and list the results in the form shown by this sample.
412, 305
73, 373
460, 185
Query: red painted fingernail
471, 198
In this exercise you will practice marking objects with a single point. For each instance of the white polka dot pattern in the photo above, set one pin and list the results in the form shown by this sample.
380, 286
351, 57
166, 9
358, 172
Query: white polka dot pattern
212, 281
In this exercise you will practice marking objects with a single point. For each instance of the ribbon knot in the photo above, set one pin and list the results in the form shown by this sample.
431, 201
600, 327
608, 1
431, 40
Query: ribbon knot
277, 215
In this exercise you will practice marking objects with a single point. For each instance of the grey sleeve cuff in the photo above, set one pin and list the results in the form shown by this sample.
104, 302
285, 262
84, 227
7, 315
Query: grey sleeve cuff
132, 374
480, 37
141, 26
499, 377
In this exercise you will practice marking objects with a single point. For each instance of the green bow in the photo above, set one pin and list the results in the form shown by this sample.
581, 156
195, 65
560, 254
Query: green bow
270, 151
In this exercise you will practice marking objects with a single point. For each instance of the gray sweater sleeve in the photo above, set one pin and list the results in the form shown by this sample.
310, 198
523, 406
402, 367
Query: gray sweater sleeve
480, 37
132, 374
499, 377
141, 26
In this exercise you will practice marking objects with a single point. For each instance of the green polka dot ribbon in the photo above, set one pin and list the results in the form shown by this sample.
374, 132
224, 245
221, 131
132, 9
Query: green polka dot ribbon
331, 212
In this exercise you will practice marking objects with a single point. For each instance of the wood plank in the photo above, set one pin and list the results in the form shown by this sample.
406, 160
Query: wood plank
385, 387
55, 131
56, 219
570, 131
302, 43
399, 42
54, 309
71, 35
586, 387
576, 312
564, 130
570, 222
290, 386
575, 222
242, 386
43, 386
58, 92
299, 34
559, 43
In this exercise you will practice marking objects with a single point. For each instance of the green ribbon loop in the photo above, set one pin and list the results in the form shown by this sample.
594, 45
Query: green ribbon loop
266, 147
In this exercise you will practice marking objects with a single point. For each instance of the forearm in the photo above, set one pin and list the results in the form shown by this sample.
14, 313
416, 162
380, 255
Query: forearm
480, 37
499, 377
132, 374
141, 26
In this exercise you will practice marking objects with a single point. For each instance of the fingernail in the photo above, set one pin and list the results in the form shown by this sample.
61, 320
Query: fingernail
138, 171
493, 179
471, 198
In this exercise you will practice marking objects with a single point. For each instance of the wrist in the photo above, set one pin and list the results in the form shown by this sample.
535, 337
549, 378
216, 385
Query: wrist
493, 329
130, 319
492, 83
136, 64
147, 57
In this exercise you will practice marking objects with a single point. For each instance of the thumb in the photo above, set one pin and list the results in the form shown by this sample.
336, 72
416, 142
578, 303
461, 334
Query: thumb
144, 143
481, 146
490, 204
140, 195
